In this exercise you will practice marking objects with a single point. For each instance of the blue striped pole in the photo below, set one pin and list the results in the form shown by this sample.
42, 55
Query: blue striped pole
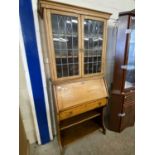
31, 49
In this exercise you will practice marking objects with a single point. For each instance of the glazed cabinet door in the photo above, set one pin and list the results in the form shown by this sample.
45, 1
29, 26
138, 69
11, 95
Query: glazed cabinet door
93, 45
129, 71
63, 34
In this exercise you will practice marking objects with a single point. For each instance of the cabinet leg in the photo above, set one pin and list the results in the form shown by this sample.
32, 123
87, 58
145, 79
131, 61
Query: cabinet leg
104, 130
62, 151
59, 142
103, 123
62, 148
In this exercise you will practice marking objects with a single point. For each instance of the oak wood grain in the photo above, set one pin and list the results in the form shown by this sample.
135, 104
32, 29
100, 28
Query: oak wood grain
73, 94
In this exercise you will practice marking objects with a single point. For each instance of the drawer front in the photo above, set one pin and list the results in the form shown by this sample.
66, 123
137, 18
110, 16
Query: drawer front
129, 97
82, 108
128, 114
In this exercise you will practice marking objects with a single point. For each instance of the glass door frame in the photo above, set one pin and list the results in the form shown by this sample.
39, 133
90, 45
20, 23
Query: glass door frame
50, 42
126, 57
104, 43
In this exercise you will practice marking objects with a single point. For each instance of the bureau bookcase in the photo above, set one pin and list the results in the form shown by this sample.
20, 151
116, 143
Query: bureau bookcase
76, 40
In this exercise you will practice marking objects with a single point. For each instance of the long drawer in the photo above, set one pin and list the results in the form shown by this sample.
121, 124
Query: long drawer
82, 108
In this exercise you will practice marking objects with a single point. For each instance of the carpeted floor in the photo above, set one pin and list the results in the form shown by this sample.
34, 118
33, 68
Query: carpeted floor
93, 144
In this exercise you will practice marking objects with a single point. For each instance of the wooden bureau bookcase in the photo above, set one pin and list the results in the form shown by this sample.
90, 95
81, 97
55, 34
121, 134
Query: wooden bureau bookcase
76, 41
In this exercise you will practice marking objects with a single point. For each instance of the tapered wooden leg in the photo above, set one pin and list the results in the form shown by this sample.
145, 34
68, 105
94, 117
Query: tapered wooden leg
62, 148
59, 136
103, 123
59, 142
104, 130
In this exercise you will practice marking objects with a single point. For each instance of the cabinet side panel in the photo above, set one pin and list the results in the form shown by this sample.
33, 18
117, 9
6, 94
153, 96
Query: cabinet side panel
116, 102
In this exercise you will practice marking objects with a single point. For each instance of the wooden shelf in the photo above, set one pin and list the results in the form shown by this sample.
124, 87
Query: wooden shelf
78, 119
65, 34
91, 56
78, 131
87, 56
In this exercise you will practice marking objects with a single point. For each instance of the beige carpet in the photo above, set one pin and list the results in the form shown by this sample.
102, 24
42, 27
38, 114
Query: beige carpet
93, 144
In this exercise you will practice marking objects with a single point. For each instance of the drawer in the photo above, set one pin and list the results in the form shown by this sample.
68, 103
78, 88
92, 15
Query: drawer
129, 97
81, 109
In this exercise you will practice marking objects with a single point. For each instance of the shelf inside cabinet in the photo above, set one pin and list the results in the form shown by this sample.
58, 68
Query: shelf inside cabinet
79, 131
91, 56
65, 56
75, 56
129, 84
128, 67
65, 35
78, 119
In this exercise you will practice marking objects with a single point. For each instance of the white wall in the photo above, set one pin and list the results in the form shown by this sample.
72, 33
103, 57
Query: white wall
25, 105
112, 6
110, 58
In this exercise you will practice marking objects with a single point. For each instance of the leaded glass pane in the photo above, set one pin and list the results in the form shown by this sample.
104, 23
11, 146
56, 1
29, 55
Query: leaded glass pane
65, 38
93, 44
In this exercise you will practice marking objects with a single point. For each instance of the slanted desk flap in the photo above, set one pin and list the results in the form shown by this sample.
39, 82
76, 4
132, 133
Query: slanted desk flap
80, 92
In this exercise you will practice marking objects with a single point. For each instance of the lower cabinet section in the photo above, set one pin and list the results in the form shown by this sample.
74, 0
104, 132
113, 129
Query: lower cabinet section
78, 126
80, 130
122, 111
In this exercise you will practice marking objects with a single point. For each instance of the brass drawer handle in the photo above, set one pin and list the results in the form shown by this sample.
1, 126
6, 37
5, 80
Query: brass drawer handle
121, 114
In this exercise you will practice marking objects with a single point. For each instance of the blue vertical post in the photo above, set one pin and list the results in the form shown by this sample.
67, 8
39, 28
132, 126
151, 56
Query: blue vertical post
32, 56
